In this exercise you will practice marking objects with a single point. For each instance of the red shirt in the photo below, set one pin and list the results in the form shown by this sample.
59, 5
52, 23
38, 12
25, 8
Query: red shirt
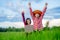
37, 22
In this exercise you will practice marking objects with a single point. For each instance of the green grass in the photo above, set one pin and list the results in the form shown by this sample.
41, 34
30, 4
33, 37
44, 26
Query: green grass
45, 34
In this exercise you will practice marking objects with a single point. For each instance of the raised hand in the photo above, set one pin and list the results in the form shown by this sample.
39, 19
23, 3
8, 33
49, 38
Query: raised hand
46, 4
29, 4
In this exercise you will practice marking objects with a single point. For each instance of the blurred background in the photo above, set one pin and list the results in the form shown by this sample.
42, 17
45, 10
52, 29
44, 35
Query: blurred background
10, 12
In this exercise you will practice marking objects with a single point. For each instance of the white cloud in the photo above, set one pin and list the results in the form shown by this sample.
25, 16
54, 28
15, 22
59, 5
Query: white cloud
18, 5
12, 24
8, 13
32, 0
54, 22
48, 17
9, 4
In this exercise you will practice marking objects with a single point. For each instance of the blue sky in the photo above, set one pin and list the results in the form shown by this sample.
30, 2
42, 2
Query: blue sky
10, 10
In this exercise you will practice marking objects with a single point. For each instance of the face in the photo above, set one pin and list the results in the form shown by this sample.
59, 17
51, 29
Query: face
37, 15
28, 22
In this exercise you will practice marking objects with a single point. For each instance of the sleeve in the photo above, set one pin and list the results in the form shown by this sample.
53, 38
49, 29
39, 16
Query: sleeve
31, 13
23, 17
43, 12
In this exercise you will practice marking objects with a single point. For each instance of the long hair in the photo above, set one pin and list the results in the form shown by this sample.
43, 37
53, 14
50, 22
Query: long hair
28, 19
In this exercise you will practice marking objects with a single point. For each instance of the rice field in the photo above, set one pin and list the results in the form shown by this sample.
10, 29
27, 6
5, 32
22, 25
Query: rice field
45, 34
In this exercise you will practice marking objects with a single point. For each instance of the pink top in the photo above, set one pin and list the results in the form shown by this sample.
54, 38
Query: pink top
37, 22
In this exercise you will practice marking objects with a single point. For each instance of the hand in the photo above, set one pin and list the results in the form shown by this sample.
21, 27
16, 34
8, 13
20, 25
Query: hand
29, 4
22, 12
46, 4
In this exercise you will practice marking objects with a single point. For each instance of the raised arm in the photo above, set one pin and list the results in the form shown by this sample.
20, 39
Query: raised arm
44, 10
31, 10
23, 17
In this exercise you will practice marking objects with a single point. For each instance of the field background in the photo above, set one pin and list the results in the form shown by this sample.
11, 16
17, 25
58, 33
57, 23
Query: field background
45, 34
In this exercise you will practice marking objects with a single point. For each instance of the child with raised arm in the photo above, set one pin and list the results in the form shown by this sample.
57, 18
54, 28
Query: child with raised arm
37, 17
27, 23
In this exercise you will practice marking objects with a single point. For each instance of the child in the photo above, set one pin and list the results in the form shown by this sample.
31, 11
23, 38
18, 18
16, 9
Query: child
37, 17
27, 22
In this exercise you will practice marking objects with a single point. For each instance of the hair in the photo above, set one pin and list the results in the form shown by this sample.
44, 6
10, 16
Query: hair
37, 12
28, 19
